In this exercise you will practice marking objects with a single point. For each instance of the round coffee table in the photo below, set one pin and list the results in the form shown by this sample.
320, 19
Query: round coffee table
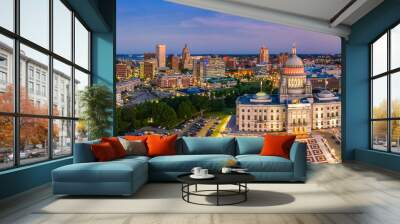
238, 179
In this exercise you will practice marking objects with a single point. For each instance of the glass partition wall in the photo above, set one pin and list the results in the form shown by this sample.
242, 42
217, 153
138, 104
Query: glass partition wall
44, 64
385, 92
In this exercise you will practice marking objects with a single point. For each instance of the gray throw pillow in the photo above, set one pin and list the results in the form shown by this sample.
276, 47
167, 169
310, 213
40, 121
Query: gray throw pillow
136, 148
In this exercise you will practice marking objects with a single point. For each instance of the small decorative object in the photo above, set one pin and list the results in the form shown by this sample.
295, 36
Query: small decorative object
200, 173
196, 171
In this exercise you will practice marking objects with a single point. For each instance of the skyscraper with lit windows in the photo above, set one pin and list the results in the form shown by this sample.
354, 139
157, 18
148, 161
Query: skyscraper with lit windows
161, 55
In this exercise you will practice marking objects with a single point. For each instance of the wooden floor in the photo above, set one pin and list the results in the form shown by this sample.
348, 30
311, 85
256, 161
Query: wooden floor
379, 190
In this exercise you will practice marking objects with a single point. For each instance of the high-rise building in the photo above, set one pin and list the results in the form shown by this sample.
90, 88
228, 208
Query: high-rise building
149, 69
214, 66
160, 55
263, 57
141, 70
198, 69
122, 71
186, 60
174, 63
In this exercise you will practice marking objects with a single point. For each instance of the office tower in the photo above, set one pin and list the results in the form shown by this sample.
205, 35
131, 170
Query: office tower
263, 57
186, 60
174, 63
122, 71
214, 66
150, 69
160, 55
198, 69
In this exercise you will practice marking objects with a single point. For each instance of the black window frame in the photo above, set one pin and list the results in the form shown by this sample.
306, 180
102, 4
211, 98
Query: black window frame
16, 115
388, 74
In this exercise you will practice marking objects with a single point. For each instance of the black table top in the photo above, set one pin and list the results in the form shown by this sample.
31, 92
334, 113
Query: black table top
220, 178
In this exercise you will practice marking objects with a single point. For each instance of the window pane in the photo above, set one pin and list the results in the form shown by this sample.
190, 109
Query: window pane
395, 138
6, 142
81, 82
62, 28
62, 138
62, 89
81, 131
6, 74
395, 47
379, 55
81, 45
379, 135
33, 139
379, 97
35, 21
7, 14
34, 92
395, 94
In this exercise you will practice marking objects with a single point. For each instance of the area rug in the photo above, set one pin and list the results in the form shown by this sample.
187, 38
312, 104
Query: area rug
166, 198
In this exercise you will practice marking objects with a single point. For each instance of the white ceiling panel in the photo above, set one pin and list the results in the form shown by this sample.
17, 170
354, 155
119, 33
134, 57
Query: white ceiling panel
326, 16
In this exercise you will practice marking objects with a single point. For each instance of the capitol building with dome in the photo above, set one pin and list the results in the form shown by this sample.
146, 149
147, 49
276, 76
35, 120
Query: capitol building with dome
296, 109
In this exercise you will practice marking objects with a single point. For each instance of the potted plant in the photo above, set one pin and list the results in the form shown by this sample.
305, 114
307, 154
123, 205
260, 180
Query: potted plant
96, 102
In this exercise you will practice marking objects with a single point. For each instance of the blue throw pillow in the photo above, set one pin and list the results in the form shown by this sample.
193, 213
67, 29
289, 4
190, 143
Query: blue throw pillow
249, 145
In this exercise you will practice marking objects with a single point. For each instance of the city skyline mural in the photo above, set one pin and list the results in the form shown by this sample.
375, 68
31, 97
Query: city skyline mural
196, 72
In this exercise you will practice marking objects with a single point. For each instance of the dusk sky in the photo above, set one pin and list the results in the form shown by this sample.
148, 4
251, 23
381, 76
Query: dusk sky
141, 24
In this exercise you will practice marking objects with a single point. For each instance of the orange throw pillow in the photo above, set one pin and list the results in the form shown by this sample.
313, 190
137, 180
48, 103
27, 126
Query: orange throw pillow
103, 152
277, 145
161, 145
116, 145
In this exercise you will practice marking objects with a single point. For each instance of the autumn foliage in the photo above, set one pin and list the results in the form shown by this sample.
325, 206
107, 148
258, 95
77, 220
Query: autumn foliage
380, 127
33, 131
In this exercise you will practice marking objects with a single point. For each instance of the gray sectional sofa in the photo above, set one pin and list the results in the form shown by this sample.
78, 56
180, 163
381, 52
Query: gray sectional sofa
125, 176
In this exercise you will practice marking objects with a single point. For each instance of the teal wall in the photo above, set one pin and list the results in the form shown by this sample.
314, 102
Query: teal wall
103, 63
99, 16
356, 126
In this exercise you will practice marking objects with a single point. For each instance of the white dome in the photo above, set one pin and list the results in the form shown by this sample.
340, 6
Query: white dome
294, 62
261, 97
325, 94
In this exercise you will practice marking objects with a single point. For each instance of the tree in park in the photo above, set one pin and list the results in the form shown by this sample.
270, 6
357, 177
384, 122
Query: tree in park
186, 109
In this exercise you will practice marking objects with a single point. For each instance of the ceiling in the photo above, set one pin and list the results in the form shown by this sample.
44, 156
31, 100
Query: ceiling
326, 16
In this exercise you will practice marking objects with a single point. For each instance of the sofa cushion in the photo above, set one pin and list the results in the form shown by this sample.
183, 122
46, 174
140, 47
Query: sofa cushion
116, 145
257, 163
249, 145
185, 163
159, 145
208, 145
277, 145
112, 171
103, 152
135, 147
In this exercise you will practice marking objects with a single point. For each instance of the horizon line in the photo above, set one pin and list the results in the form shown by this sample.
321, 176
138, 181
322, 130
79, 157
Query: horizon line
199, 54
